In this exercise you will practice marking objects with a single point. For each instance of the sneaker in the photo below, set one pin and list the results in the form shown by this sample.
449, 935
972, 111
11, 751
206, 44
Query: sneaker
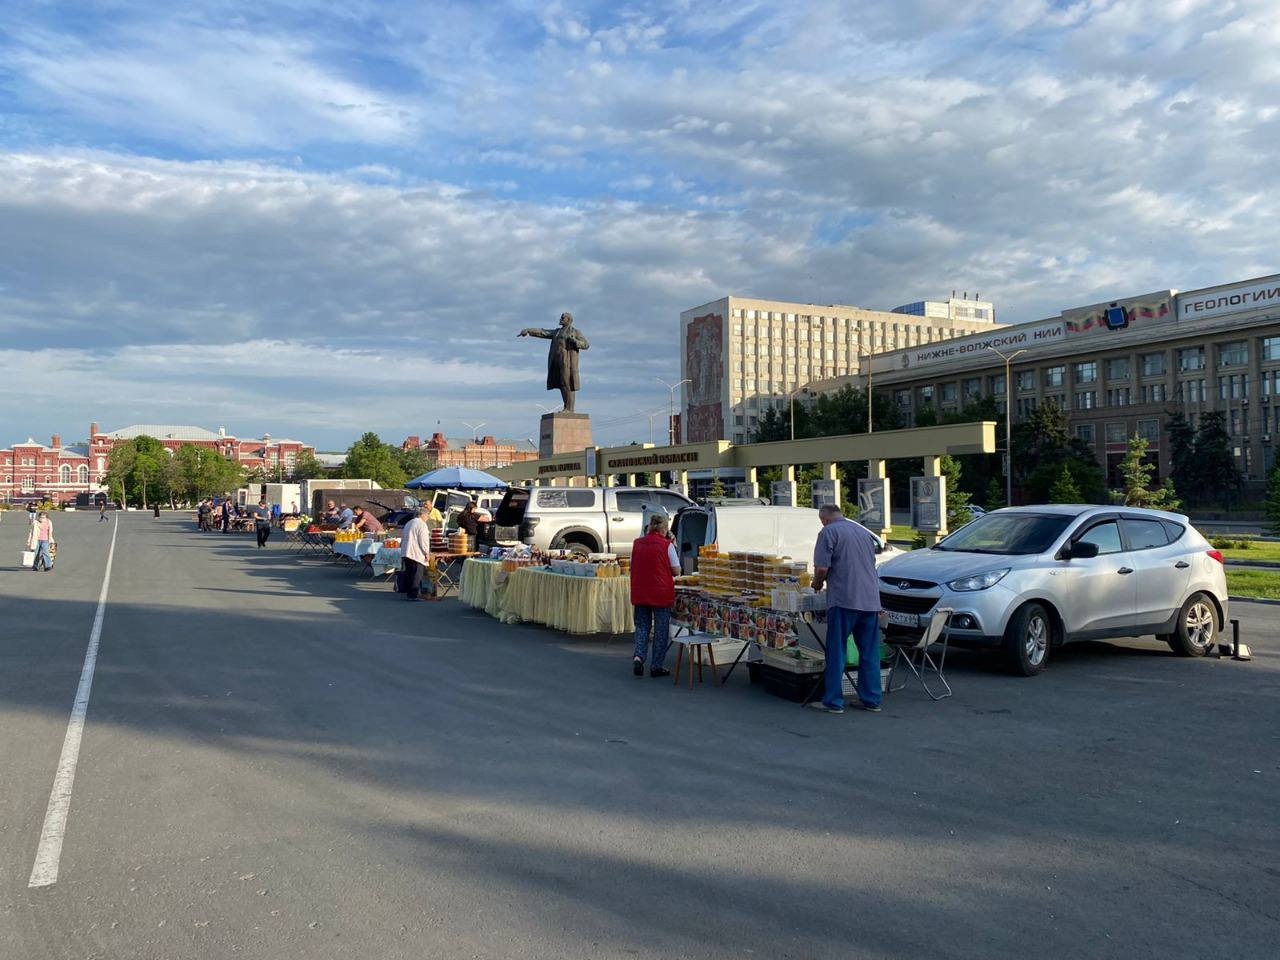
819, 705
867, 707
637, 667
659, 672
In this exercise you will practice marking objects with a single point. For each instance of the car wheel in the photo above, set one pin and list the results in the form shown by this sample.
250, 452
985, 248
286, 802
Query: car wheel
1027, 639
1197, 627
576, 547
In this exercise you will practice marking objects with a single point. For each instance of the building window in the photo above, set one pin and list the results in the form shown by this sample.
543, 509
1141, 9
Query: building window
1149, 430
1058, 400
926, 395
1118, 397
997, 385
1026, 406
1153, 393
1235, 354
1084, 433
1118, 369
1192, 391
1115, 433
1086, 372
902, 398
1026, 380
948, 393
973, 388
82, 473
1238, 423
1086, 399
1270, 383
28, 461
1271, 348
64, 474
1191, 358
1152, 364
1054, 376
1233, 387
28, 484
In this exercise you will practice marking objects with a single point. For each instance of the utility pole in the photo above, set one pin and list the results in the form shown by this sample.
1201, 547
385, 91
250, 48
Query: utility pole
1008, 423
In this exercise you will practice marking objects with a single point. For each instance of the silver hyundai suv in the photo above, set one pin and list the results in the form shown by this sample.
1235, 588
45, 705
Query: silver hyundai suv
1028, 579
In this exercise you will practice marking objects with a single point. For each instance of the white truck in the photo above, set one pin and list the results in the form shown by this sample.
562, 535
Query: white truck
584, 520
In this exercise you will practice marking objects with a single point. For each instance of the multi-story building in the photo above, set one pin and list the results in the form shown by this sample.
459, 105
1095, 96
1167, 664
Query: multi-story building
743, 356
478, 453
1118, 369
61, 473
950, 309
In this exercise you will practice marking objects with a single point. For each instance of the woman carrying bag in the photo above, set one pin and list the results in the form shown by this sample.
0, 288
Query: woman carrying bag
40, 539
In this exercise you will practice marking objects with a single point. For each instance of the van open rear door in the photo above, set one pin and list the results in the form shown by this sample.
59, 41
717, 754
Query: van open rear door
691, 528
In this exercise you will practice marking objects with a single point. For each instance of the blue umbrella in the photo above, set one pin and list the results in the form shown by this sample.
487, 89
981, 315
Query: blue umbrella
456, 478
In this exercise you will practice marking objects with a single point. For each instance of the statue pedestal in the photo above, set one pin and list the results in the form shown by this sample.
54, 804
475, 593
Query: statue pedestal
564, 433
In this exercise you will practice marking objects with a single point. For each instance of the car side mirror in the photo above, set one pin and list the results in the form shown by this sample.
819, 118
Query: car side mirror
1081, 550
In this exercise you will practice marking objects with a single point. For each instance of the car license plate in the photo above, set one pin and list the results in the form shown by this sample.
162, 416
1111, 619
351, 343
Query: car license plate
903, 619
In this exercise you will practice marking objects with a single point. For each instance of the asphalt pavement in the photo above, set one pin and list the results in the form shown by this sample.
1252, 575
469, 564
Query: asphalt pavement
281, 761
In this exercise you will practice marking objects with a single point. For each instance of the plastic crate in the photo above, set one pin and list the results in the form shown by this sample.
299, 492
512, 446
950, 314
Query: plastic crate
789, 686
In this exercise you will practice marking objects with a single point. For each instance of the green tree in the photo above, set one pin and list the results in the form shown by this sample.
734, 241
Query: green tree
1137, 471
717, 487
1215, 461
958, 512
1184, 469
306, 467
1064, 489
1042, 446
371, 459
995, 498
414, 461
775, 424
1271, 506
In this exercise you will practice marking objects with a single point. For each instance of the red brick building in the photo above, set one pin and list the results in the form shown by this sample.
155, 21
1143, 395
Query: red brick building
481, 453
59, 473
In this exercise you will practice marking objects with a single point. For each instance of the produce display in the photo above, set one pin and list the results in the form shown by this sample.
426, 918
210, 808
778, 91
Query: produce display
737, 619
748, 574
347, 536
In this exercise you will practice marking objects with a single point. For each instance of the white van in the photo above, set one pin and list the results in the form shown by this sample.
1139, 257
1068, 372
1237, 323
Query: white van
747, 528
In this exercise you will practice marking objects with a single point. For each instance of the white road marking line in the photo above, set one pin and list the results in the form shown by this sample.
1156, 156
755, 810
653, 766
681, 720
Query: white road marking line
49, 854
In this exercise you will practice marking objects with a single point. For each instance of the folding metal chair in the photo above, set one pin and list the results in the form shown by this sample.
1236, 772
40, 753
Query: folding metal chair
916, 656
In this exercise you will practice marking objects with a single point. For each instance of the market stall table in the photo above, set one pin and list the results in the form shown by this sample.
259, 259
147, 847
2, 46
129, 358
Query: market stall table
570, 603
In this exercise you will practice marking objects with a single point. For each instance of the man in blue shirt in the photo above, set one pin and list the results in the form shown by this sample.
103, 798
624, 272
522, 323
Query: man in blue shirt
346, 517
845, 561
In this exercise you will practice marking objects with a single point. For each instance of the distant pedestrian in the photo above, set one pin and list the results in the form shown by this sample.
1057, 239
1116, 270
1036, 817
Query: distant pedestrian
40, 539
102, 508
226, 515
262, 522
415, 547
654, 565
845, 560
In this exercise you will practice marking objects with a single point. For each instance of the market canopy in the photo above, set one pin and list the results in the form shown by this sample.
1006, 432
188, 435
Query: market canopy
456, 478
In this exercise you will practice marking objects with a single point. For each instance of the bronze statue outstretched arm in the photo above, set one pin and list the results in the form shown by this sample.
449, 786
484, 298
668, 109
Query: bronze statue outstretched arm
542, 333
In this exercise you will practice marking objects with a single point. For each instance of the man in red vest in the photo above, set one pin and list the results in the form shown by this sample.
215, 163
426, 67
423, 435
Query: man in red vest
654, 564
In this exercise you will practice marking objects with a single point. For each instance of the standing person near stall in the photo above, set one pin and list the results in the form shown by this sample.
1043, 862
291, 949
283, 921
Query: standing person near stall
226, 515
40, 539
845, 561
654, 565
262, 523
415, 547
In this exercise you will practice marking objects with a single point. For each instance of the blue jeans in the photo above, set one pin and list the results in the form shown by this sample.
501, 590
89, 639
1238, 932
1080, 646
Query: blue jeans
864, 625
659, 620
42, 556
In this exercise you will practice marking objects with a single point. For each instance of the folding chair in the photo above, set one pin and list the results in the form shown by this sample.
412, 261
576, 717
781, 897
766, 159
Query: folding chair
916, 656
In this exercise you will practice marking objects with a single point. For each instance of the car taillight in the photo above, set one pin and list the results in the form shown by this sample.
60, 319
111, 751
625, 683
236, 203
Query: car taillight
1216, 555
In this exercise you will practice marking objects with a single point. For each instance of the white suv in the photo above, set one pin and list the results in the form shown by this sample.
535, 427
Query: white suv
1027, 579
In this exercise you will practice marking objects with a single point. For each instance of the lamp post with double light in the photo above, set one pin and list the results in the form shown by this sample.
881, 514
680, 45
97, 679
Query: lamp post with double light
671, 407
1008, 359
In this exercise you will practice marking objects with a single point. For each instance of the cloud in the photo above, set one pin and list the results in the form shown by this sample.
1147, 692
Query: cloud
377, 182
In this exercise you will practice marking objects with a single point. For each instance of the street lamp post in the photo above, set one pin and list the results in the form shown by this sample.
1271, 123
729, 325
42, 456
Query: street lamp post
791, 401
671, 407
1008, 359
867, 357
475, 435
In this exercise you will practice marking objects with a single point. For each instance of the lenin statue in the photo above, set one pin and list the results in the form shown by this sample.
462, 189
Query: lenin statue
562, 358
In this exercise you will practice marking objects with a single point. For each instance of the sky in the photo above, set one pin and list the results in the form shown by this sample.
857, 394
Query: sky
319, 218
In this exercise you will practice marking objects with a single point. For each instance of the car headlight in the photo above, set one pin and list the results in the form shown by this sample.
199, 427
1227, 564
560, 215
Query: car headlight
979, 581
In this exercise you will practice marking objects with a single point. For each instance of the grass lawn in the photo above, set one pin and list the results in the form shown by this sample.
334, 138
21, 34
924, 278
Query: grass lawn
1253, 583
1258, 550
900, 533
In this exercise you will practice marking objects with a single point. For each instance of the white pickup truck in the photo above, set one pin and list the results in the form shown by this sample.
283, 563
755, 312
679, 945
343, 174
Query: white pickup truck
583, 519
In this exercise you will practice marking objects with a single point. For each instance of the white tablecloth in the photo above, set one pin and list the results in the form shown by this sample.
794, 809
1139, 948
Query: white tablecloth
356, 548
387, 560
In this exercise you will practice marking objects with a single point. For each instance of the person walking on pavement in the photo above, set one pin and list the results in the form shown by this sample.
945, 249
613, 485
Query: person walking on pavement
262, 523
102, 508
226, 515
654, 565
415, 547
40, 539
844, 560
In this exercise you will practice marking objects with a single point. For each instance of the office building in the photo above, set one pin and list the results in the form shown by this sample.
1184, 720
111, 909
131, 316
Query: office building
1118, 369
743, 356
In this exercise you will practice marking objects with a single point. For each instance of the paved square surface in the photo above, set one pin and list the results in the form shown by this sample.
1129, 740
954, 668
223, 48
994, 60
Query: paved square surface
281, 761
